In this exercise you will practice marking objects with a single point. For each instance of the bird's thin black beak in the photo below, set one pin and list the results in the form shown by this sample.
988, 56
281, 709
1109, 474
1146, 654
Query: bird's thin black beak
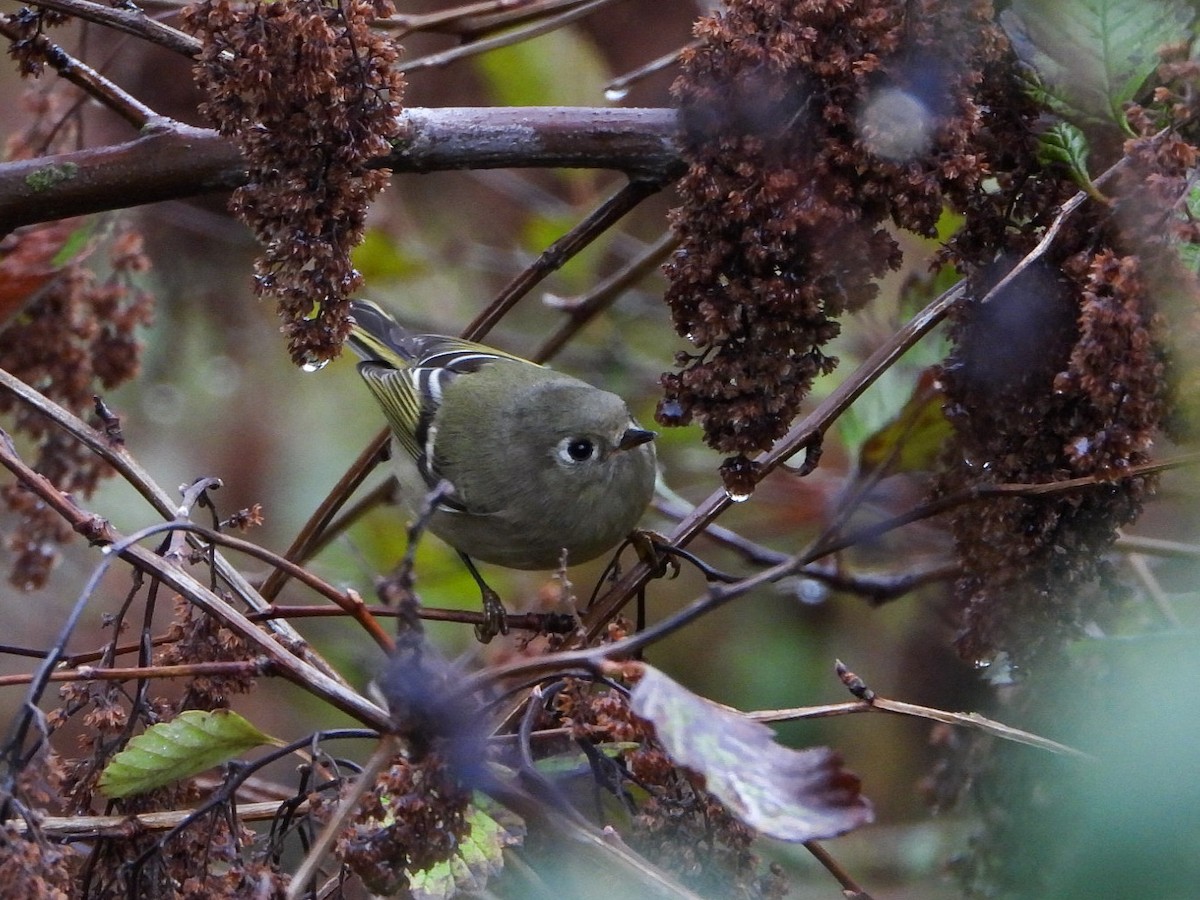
635, 437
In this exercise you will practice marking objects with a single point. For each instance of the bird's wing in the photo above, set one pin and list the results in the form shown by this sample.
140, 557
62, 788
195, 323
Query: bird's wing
408, 372
411, 396
462, 357
399, 396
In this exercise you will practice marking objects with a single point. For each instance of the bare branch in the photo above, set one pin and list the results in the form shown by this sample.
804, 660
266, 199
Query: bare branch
85, 78
171, 161
129, 20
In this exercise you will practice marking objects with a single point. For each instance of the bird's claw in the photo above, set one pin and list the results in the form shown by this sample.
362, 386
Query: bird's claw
653, 549
495, 619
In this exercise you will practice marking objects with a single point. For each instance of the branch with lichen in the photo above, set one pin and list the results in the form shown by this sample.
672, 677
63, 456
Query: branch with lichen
172, 161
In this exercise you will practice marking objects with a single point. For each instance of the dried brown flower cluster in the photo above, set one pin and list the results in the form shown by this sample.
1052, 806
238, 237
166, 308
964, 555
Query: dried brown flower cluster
31, 49
33, 868
1156, 222
196, 637
1061, 378
1063, 375
412, 819
207, 860
74, 338
798, 135
217, 857
309, 92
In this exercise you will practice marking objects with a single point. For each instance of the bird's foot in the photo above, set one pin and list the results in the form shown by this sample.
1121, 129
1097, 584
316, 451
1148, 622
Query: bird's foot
495, 618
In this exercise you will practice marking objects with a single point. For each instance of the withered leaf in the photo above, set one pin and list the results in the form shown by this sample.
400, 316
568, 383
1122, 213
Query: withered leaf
793, 795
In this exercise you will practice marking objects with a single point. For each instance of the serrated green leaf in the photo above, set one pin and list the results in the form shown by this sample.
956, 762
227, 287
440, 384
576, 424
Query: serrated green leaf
792, 795
1066, 145
480, 855
192, 742
1091, 57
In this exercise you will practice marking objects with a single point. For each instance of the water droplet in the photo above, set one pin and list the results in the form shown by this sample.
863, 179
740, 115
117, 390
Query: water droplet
313, 365
616, 93
740, 476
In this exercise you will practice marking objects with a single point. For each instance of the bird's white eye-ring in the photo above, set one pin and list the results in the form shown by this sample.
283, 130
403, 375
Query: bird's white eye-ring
576, 449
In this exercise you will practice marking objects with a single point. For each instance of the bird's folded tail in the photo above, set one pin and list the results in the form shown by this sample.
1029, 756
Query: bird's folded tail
377, 337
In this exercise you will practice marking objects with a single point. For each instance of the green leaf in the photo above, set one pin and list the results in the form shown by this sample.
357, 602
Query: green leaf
565, 763
192, 742
479, 857
792, 795
77, 244
913, 440
1091, 57
1065, 144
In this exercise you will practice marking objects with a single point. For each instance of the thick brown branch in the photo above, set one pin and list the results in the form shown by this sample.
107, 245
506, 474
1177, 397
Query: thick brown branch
162, 164
639, 142
170, 162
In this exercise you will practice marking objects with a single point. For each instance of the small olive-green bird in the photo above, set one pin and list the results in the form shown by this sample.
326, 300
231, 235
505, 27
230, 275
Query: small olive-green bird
538, 462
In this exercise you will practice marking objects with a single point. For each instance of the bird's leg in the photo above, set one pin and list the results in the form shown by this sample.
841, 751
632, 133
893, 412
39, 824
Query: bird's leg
655, 551
495, 619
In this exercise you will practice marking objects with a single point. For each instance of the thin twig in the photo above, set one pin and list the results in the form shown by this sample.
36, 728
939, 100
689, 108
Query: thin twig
67, 828
388, 747
87, 79
128, 20
561, 251
474, 19
250, 668
618, 87
127, 467
1150, 584
1134, 543
581, 310
516, 36
850, 887
540, 623
315, 532
383, 493
290, 666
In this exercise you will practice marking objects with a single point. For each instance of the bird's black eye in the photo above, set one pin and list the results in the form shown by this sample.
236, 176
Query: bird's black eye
576, 449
